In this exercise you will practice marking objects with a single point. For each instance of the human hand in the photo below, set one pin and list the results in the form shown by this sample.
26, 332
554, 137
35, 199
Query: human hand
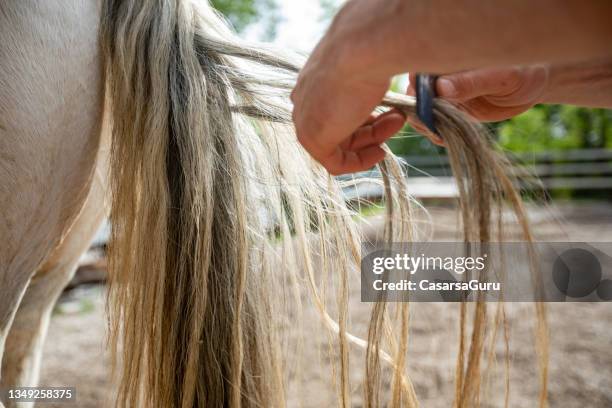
341, 132
338, 89
490, 94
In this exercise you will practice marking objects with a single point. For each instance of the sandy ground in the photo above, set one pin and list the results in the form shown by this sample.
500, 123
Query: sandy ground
580, 346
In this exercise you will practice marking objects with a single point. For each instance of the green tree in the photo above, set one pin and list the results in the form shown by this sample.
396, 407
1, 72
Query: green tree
557, 127
242, 13
542, 128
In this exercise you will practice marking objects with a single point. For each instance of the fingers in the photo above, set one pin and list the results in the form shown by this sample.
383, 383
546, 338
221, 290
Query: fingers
344, 161
375, 131
468, 85
362, 149
328, 112
482, 110
492, 94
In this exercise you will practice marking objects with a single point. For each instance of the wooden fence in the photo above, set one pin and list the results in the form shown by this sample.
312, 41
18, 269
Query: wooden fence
430, 176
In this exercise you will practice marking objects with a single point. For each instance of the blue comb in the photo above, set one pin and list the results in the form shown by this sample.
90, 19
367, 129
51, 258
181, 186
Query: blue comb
425, 93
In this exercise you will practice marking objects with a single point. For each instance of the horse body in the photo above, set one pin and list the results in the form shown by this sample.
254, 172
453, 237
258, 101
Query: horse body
51, 196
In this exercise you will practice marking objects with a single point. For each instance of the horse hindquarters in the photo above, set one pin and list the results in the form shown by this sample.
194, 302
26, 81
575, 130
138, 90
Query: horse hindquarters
51, 97
26, 338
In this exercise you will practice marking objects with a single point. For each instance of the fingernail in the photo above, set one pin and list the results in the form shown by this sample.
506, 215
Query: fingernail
446, 88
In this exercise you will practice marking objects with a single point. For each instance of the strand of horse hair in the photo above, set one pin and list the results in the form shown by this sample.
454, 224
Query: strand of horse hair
220, 219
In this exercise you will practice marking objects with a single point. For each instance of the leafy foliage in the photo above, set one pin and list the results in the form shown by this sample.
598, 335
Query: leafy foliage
542, 128
557, 127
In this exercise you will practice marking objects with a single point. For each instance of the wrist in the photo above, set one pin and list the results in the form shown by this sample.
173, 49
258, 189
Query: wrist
547, 88
585, 83
557, 82
366, 37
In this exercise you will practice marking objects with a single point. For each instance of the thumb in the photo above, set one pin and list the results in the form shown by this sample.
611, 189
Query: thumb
463, 86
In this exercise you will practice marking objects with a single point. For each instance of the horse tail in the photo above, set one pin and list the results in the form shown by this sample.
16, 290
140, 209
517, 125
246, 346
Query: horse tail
219, 218
192, 329
215, 209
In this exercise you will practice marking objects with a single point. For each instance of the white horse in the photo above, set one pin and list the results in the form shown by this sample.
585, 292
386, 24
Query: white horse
195, 186
52, 177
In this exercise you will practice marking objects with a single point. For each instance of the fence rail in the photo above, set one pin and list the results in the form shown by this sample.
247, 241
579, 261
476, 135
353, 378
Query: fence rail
430, 176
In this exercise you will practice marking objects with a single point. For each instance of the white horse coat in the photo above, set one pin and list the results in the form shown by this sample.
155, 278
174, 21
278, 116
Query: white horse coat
51, 189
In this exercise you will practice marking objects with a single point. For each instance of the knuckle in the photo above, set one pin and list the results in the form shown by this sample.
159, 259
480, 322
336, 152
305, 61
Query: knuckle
304, 141
332, 168
334, 171
300, 137
309, 135
295, 120
513, 78
464, 85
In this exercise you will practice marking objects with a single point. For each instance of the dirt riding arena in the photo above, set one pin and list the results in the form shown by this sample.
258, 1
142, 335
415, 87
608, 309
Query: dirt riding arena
581, 338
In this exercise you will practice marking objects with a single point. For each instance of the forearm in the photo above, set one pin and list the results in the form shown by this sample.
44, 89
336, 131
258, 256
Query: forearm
585, 84
393, 36
369, 41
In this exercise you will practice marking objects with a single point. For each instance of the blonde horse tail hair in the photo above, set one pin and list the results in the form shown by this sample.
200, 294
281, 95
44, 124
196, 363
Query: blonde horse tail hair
219, 219
191, 334
202, 191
